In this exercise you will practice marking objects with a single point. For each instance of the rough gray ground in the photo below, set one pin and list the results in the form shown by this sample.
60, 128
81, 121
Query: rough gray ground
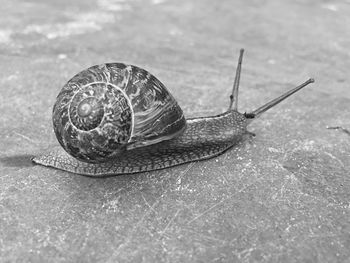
282, 196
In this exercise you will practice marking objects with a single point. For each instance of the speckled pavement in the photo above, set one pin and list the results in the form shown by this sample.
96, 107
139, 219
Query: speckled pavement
281, 196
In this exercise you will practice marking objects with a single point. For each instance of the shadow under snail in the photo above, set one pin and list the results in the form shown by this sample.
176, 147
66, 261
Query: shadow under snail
115, 119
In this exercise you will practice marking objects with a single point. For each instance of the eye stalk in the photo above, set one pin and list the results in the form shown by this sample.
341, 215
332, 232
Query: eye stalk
234, 95
256, 113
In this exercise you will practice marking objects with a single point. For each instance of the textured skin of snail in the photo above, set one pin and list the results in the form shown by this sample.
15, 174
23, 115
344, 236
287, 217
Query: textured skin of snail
203, 138
117, 119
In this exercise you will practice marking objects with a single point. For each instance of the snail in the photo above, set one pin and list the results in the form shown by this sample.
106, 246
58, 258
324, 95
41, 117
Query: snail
115, 119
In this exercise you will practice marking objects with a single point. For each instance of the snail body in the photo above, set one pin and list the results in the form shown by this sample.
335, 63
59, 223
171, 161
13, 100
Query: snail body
118, 119
202, 139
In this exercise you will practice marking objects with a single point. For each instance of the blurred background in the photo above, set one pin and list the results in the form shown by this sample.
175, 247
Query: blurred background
282, 196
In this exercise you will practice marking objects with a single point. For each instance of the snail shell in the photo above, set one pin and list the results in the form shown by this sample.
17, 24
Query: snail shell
110, 108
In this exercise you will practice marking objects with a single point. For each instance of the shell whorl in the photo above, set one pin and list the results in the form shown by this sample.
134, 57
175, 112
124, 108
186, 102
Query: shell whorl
106, 109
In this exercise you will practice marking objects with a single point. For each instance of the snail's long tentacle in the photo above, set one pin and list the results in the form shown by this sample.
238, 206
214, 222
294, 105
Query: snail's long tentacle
256, 113
234, 95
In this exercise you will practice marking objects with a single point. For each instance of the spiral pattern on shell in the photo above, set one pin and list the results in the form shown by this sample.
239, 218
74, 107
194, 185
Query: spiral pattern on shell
109, 108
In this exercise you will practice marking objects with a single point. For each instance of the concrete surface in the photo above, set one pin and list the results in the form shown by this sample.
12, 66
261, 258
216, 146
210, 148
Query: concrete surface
282, 196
